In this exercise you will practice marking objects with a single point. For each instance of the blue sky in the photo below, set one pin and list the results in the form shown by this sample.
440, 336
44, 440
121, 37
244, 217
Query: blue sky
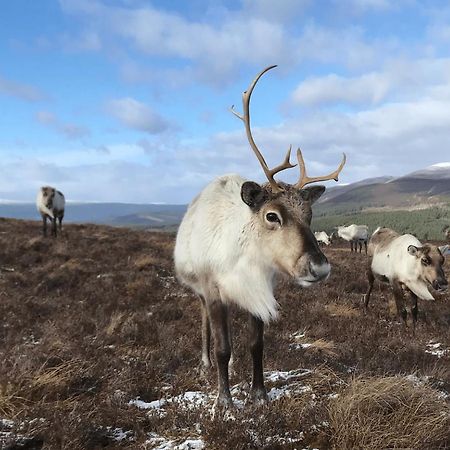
127, 100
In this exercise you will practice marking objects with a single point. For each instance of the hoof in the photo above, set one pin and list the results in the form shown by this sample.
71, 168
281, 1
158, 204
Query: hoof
205, 370
222, 405
258, 397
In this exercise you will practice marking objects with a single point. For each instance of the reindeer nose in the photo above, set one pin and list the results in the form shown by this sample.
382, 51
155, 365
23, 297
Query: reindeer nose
320, 271
440, 285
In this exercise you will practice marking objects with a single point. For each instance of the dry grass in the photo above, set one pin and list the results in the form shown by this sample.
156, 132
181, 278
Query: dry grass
389, 412
342, 310
96, 318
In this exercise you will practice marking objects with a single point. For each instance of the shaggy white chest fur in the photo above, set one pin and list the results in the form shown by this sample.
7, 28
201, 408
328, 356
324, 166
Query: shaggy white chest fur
217, 252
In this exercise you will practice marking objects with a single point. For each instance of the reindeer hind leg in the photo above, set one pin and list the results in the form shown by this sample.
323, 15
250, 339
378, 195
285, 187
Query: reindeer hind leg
206, 336
218, 315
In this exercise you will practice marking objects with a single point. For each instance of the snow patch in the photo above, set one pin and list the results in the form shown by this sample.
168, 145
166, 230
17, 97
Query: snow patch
436, 349
157, 442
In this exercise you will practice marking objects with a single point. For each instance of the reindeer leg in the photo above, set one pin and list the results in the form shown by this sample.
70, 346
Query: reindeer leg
218, 315
230, 338
414, 311
206, 337
258, 392
371, 280
44, 225
365, 245
54, 227
60, 218
400, 301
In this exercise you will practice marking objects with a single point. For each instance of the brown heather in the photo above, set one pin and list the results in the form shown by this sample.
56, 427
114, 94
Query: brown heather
95, 318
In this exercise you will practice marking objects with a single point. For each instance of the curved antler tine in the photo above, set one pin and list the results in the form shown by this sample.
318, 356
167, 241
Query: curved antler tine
245, 117
305, 179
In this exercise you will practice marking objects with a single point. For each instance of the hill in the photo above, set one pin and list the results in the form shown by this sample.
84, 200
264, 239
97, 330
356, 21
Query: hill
100, 348
418, 190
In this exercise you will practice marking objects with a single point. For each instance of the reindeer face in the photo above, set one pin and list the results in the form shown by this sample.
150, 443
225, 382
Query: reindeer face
283, 225
48, 194
430, 261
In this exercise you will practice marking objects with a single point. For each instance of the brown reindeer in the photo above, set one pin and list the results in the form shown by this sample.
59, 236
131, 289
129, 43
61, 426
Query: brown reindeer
51, 205
407, 265
234, 240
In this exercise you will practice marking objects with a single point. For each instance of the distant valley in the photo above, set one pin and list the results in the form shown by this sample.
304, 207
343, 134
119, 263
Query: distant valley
421, 198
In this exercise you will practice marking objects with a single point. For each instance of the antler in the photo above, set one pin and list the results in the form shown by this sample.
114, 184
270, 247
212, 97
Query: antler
245, 117
304, 179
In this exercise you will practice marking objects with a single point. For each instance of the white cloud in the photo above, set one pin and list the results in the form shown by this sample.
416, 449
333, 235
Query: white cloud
20, 90
69, 130
137, 115
258, 34
368, 88
400, 79
391, 139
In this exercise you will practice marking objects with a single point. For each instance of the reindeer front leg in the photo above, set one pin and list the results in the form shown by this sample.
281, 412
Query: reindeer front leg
54, 227
218, 316
400, 301
44, 225
258, 392
206, 337
371, 280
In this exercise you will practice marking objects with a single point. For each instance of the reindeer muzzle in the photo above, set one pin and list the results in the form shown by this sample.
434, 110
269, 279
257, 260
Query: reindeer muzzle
440, 285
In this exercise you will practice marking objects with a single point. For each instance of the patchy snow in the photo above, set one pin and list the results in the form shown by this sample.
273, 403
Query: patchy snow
436, 349
119, 435
160, 443
5, 423
288, 391
187, 400
277, 375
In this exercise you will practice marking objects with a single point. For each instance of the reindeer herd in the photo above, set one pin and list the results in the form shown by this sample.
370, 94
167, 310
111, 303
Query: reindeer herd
237, 237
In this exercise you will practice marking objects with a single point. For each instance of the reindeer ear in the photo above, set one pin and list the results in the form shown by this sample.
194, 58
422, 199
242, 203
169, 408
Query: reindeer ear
312, 193
413, 250
253, 195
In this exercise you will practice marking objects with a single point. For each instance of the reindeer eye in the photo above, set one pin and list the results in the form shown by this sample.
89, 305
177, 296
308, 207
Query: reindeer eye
425, 262
273, 217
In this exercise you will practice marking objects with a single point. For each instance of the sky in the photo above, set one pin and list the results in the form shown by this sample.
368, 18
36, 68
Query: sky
128, 100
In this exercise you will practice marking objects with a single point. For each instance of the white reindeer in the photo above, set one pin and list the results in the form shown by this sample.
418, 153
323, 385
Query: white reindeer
50, 203
355, 234
407, 265
235, 238
322, 237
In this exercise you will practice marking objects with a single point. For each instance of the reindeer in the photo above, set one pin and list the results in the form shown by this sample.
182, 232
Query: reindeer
234, 240
322, 238
50, 203
407, 265
446, 231
355, 234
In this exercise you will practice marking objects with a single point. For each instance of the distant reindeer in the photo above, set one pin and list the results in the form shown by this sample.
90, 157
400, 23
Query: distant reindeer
322, 238
356, 235
407, 265
50, 204
235, 238
446, 231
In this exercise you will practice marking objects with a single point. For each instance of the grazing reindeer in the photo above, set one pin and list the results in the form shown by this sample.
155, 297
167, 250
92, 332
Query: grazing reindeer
355, 234
407, 265
322, 238
446, 231
50, 204
235, 238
